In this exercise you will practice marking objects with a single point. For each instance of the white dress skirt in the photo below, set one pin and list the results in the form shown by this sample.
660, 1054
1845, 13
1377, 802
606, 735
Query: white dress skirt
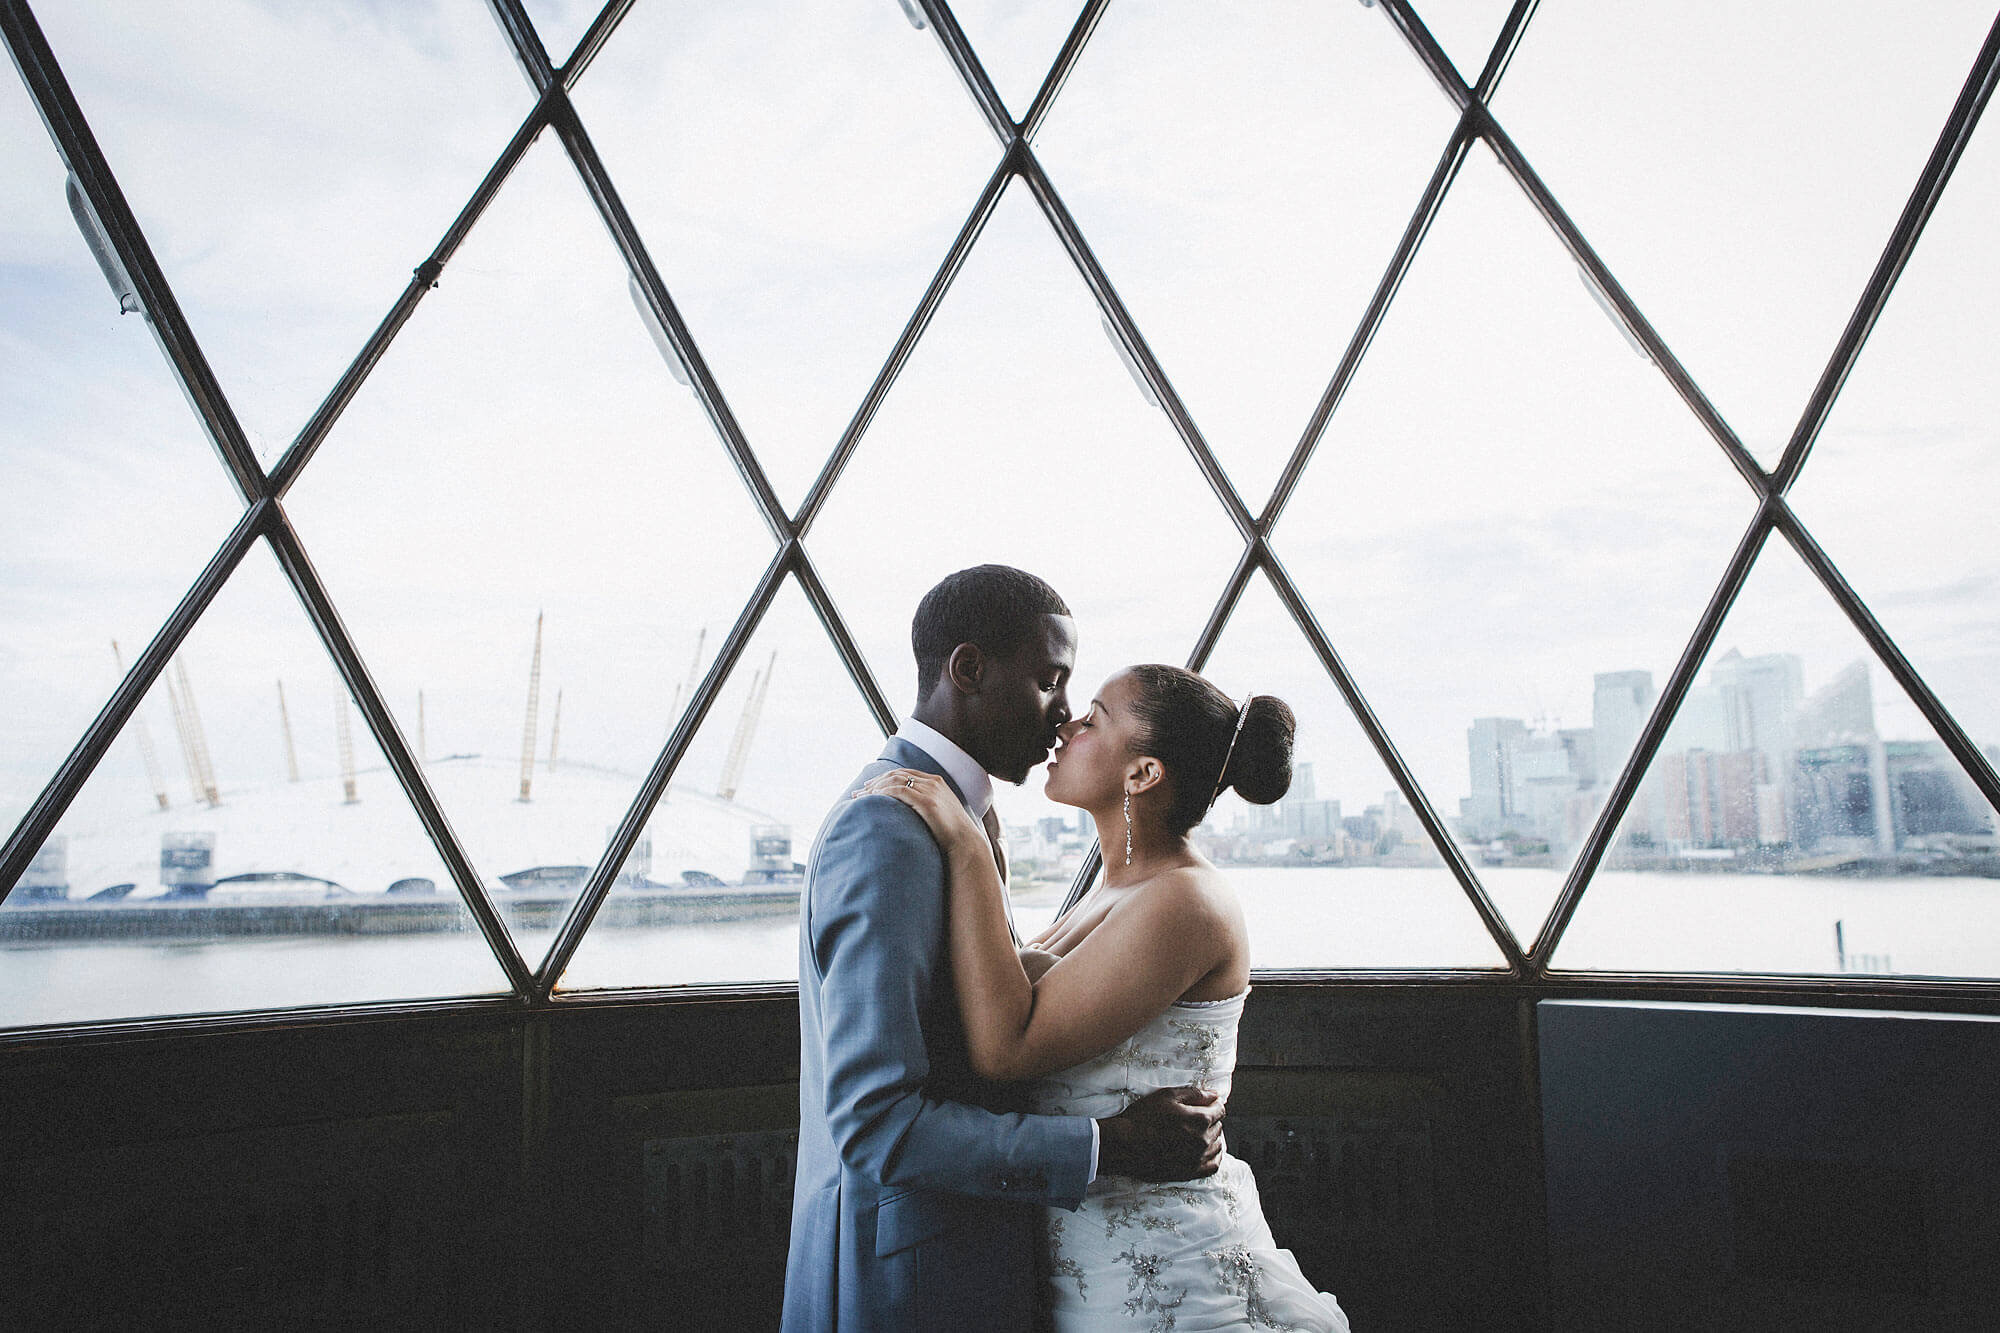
1186, 1257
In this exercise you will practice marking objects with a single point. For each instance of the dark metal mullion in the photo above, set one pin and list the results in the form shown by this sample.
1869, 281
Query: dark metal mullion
1428, 51
1093, 861
1232, 593
584, 910
899, 356
162, 313
970, 71
1931, 182
1665, 709
520, 32
1225, 607
1113, 309
561, 113
1371, 320
319, 607
593, 41
1961, 745
625, 234
423, 280
1065, 65
1586, 258
850, 653
1504, 49
61, 789
1392, 759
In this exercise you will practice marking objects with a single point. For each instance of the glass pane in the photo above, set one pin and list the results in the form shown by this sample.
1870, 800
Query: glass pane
278, 864
561, 24
1244, 173
1740, 167
798, 173
1339, 874
713, 889
1016, 41
532, 532
1801, 816
1466, 29
1512, 518
1902, 485
114, 497
1015, 437
291, 165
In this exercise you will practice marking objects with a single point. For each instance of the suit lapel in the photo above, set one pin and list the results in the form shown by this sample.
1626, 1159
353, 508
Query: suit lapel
904, 754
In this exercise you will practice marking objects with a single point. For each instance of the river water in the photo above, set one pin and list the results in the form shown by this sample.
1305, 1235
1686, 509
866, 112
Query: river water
1298, 918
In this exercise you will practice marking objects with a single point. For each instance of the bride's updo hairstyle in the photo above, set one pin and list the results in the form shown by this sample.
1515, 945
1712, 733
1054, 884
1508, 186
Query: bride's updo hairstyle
1186, 723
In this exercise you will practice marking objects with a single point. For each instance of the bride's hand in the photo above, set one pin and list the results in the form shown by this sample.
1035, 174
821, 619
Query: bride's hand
932, 798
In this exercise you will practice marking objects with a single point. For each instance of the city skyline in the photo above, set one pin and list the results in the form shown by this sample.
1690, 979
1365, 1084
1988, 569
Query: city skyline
1750, 761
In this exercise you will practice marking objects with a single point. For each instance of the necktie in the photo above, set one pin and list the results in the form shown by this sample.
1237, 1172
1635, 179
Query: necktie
998, 838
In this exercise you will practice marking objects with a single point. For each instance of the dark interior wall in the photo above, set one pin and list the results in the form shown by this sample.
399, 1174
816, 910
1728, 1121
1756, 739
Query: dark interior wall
1743, 1167
309, 1176
629, 1165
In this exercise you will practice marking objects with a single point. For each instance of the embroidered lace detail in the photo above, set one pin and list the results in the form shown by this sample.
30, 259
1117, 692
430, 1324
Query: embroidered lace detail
1148, 1290
1059, 1263
1163, 1257
1237, 1273
1232, 1202
1145, 1210
1200, 1045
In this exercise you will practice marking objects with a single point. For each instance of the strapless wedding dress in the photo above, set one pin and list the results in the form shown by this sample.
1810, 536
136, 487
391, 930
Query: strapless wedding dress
1186, 1257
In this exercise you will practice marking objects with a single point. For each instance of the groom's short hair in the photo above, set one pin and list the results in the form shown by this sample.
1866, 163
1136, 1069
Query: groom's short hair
997, 607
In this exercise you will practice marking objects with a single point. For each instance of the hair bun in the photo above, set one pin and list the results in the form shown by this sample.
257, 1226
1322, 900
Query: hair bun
1260, 766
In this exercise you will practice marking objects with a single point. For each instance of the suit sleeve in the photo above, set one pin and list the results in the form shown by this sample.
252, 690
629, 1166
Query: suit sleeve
877, 929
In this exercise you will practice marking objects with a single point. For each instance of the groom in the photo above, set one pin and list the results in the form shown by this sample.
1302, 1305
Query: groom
913, 1207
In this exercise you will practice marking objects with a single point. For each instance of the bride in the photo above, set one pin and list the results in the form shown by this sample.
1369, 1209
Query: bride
1137, 987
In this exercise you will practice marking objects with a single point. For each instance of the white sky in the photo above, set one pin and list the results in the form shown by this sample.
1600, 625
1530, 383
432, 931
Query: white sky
1508, 501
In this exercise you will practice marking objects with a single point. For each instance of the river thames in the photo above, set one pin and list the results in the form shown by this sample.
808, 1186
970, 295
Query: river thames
1299, 919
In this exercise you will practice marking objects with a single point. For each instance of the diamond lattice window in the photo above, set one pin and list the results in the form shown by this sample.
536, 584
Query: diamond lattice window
1582, 416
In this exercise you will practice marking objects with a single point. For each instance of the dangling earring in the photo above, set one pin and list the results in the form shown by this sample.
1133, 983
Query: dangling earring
1128, 828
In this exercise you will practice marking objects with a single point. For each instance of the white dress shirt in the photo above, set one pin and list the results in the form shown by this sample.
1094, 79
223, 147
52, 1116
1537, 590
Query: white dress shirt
960, 767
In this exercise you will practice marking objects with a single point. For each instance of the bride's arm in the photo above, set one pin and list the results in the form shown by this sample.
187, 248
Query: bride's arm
1142, 957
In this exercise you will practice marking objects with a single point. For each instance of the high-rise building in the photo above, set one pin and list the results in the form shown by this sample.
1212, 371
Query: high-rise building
1580, 745
1302, 783
1489, 743
1840, 712
1761, 697
1620, 702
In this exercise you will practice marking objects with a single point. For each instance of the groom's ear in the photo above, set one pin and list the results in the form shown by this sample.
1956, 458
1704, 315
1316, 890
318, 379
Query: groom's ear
965, 668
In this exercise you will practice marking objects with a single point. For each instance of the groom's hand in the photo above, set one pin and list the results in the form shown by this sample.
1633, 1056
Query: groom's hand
1171, 1134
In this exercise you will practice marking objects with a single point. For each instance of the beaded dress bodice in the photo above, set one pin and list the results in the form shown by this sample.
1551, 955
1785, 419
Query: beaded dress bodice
1179, 1257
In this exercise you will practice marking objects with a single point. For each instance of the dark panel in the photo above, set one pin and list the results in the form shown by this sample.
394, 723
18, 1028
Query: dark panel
629, 1165
671, 1133
330, 1176
1734, 1167
1392, 1133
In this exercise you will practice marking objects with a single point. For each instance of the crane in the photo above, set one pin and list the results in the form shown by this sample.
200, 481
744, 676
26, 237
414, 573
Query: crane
746, 730
534, 701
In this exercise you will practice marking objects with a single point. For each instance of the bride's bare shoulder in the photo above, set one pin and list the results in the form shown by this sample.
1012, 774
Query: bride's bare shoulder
1194, 891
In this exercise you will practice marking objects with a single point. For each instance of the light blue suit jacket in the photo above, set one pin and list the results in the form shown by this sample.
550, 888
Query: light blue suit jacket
912, 1204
